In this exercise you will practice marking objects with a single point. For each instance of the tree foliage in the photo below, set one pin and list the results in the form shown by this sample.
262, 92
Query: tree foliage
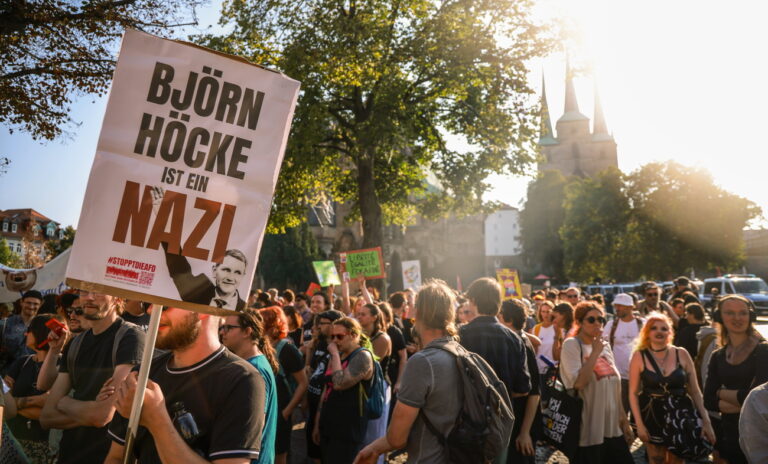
385, 85
8, 257
657, 222
56, 247
286, 259
53, 50
540, 222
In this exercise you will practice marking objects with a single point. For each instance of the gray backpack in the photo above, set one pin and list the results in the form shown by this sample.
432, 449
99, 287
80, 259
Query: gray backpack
484, 425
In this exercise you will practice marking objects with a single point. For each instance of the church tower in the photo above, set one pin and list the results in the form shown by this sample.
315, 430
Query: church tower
575, 150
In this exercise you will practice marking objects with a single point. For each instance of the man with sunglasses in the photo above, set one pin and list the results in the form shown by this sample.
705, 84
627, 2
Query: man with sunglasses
571, 296
12, 330
653, 302
105, 352
203, 403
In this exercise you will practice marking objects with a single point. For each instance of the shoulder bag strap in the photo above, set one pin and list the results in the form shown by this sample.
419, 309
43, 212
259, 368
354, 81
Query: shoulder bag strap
74, 347
653, 362
639, 324
121, 331
614, 326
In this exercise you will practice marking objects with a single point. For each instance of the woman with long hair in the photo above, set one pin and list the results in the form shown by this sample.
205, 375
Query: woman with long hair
546, 332
657, 371
738, 366
340, 426
291, 378
562, 320
294, 324
374, 326
587, 366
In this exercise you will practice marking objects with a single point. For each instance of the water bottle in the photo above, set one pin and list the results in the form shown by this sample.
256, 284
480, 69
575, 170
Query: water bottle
184, 422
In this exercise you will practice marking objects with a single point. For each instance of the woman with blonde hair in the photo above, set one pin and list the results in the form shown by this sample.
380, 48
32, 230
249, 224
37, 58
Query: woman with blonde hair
547, 333
662, 376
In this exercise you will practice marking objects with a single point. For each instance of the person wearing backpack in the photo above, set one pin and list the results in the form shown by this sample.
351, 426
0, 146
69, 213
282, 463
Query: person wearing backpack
430, 418
500, 347
291, 378
341, 422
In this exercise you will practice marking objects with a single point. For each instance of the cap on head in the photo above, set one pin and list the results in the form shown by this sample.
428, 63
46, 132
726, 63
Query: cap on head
331, 315
623, 299
32, 294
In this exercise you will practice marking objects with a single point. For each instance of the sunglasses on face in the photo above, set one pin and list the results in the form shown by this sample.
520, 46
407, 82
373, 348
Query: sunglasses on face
571, 295
662, 329
338, 336
227, 327
651, 294
78, 311
593, 319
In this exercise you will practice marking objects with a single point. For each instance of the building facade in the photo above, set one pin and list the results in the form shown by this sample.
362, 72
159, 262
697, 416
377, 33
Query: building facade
26, 230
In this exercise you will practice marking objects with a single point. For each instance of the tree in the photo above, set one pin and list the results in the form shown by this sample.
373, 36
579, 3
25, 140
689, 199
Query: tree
53, 50
385, 84
286, 259
540, 223
682, 220
8, 257
595, 227
56, 247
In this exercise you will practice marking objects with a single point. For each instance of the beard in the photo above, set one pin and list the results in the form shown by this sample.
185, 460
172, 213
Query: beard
100, 314
179, 335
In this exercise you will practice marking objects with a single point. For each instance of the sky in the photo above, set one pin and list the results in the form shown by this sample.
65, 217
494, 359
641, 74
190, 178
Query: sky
679, 80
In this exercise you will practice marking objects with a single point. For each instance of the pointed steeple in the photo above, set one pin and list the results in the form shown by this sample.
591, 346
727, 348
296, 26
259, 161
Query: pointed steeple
547, 136
571, 103
600, 131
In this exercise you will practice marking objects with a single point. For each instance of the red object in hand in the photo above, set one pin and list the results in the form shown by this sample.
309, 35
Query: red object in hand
56, 327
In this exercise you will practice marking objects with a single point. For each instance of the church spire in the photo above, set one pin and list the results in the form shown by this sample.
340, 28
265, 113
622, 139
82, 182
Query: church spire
571, 104
546, 136
600, 131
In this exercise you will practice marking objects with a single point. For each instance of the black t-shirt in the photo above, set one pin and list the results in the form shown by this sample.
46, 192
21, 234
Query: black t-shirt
317, 366
398, 343
93, 366
142, 321
296, 336
224, 395
291, 361
24, 372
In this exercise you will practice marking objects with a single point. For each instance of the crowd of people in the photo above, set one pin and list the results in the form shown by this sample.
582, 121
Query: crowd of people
372, 379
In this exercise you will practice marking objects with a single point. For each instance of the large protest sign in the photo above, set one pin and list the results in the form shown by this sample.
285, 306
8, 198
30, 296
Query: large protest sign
368, 263
48, 279
326, 273
411, 274
510, 282
185, 168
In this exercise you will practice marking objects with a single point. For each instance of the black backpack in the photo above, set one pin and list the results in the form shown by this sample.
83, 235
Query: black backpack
484, 425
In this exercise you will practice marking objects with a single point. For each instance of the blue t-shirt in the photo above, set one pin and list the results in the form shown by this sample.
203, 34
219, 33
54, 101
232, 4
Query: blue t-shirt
267, 453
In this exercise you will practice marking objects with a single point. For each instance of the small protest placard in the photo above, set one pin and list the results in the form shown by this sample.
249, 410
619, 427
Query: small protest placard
368, 263
411, 274
181, 185
313, 288
510, 282
326, 273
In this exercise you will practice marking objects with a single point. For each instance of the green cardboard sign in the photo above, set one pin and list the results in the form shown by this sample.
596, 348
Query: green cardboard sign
326, 273
368, 263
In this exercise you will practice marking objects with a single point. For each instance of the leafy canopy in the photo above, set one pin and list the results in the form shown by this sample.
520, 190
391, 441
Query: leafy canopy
385, 86
53, 50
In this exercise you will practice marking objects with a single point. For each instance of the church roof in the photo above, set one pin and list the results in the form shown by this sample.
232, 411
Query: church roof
571, 111
547, 135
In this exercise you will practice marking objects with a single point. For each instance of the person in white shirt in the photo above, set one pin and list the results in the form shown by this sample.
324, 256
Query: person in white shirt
545, 330
622, 333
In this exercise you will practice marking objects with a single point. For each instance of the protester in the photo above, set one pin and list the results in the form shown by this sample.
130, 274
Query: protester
432, 396
29, 400
653, 302
12, 339
76, 324
662, 376
572, 295
291, 377
200, 387
753, 424
295, 330
372, 321
302, 308
135, 312
317, 304
686, 335
106, 351
621, 333
547, 333
245, 335
501, 348
587, 365
70, 307
562, 319
316, 359
399, 356
527, 426
340, 425
288, 297
734, 369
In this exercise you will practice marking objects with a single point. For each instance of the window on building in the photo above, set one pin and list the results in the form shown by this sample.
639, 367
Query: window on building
50, 231
18, 247
14, 228
36, 231
61, 234
5, 226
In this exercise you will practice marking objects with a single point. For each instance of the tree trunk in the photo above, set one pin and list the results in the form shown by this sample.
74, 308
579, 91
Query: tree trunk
370, 209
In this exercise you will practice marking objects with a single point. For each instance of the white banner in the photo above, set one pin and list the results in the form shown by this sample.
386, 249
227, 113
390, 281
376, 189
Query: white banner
411, 275
48, 279
185, 168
